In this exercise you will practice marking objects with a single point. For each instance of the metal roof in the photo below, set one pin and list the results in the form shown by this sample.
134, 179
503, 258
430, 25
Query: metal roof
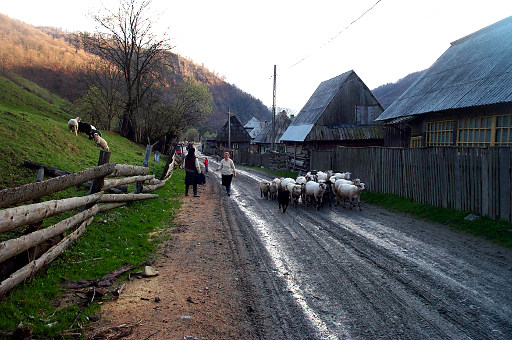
265, 136
476, 70
316, 105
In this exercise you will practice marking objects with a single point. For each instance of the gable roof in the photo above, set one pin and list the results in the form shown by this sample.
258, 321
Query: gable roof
238, 133
282, 123
314, 108
476, 70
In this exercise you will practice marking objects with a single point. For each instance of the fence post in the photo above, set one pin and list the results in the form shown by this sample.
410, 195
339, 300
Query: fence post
145, 163
97, 184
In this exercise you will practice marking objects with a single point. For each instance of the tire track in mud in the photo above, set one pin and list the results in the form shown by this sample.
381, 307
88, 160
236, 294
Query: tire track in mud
338, 273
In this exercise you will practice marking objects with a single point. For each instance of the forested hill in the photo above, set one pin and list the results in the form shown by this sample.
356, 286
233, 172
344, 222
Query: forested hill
386, 94
53, 59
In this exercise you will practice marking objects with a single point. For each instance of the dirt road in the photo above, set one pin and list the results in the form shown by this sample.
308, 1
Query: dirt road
328, 274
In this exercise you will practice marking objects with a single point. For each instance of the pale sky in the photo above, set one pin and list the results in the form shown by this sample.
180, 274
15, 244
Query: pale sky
243, 40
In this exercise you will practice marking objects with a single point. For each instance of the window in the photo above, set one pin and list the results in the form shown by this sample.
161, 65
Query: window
439, 133
234, 145
416, 142
475, 131
504, 130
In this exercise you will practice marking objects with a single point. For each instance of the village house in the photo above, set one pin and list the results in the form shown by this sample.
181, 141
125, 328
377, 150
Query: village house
263, 141
237, 135
463, 99
341, 112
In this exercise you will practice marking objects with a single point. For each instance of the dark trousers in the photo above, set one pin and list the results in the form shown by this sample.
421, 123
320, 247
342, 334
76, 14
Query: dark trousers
194, 188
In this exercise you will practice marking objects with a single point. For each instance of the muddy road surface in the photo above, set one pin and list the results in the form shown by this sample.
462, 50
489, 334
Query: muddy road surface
347, 274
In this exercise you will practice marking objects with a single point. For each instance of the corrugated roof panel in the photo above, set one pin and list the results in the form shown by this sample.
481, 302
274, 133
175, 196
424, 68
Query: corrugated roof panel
296, 133
471, 72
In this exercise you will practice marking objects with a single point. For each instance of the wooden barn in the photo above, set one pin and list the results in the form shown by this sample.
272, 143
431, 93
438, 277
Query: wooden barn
463, 99
240, 138
341, 112
263, 140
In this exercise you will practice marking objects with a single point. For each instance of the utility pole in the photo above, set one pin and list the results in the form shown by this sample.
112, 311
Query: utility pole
229, 130
273, 146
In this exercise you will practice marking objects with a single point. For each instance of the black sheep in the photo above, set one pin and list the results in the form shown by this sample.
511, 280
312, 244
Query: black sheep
283, 197
85, 128
93, 131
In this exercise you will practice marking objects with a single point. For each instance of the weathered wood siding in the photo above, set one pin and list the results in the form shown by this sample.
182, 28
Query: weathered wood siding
468, 179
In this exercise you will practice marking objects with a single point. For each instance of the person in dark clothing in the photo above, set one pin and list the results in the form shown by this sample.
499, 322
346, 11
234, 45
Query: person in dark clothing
191, 169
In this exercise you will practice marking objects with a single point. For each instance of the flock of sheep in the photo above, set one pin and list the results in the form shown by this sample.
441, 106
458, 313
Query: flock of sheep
314, 188
76, 125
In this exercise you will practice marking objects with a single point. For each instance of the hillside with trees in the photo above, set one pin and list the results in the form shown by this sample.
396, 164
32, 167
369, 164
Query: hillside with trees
386, 94
63, 63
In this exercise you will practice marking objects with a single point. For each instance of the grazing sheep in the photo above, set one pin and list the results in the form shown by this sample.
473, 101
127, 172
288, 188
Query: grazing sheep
264, 188
295, 191
73, 125
350, 192
274, 186
85, 128
100, 142
315, 192
93, 131
283, 198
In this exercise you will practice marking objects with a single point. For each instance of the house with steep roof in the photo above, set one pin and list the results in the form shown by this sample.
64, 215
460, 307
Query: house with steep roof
237, 135
341, 112
463, 99
263, 140
254, 127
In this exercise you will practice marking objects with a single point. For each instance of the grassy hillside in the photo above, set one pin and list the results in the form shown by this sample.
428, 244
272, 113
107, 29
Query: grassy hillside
33, 129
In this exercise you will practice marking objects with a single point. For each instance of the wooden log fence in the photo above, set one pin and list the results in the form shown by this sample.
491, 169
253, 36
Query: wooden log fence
101, 179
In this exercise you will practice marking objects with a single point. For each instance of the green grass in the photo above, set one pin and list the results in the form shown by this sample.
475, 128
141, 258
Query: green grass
114, 239
36, 130
499, 232
279, 173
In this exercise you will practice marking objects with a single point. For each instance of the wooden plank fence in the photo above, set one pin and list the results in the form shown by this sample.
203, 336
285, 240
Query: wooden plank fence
13, 216
476, 180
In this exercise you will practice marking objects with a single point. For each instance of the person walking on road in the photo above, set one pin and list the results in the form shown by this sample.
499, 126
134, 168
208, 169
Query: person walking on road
192, 168
206, 165
228, 171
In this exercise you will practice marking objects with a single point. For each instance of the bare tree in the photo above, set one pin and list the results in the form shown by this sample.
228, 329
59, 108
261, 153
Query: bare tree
127, 40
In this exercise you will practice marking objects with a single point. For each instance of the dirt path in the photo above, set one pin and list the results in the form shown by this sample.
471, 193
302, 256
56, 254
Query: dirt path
238, 268
201, 294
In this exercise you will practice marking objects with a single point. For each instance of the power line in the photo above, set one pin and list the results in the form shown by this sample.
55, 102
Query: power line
337, 34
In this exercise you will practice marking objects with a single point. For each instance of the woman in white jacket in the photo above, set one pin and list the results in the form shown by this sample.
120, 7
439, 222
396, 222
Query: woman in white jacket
191, 169
228, 171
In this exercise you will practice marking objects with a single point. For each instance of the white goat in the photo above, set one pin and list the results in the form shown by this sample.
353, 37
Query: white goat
73, 125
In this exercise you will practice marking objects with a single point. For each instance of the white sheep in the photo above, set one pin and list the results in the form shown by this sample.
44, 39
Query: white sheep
274, 186
315, 193
73, 125
321, 176
285, 181
100, 142
350, 192
301, 180
295, 192
264, 188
